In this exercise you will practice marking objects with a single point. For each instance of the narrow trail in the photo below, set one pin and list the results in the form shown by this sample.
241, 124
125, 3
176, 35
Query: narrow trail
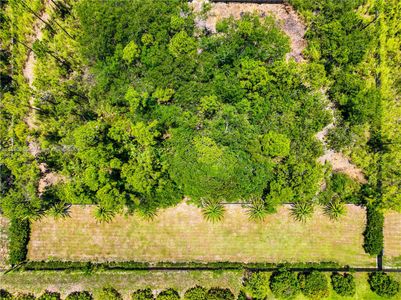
47, 178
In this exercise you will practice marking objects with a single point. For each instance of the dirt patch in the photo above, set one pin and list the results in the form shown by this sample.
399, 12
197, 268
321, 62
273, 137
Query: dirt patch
287, 20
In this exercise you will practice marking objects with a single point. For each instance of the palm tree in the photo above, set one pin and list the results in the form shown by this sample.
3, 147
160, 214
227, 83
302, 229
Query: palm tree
335, 209
257, 210
59, 210
213, 211
302, 211
104, 215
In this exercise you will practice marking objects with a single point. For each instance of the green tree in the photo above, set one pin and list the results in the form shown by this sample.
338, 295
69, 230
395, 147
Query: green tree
143, 294
219, 294
383, 284
81, 295
131, 52
314, 284
213, 211
5, 295
182, 44
47, 295
108, 293
302, 211
196, 293
169, 294
257, 285
284, 284
343, 284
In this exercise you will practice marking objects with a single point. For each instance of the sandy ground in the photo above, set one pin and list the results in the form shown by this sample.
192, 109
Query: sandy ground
287, 20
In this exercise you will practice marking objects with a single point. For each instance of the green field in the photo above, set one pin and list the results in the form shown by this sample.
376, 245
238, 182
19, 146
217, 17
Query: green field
127, 282
182, 234
392, 239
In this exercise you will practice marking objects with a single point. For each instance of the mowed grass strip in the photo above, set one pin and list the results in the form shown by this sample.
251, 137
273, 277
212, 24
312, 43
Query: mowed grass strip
392, 239
4, 224
182, 234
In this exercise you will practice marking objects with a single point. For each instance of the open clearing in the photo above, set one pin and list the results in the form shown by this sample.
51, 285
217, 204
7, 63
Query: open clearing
392, 239
126, 282
182, 234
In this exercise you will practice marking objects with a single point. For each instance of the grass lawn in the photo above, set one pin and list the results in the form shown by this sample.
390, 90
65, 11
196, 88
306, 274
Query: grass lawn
181, 234
126, 282
392, 239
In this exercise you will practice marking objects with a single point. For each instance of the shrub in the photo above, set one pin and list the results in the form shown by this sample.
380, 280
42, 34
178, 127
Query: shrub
18, 240
5, 295
284, 284
335, 209
109, 293
213, 211
383, 284
242, 296
314, 284
142, 294
47, 295
23, 296
373, 234
220, 294
169, 294
302, 211
196, 293
257, 285
344, 285
81, 295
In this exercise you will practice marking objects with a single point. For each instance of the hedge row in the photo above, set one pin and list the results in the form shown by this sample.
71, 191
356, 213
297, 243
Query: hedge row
373, 235
132, 265
256, 285
18, 237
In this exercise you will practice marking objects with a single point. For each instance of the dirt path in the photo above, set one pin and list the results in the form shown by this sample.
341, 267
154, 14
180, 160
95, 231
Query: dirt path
47, 178
339, 162
287, 20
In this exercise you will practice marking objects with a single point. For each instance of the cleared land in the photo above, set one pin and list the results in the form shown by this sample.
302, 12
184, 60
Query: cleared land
182, 234
392, 239
37, 282
4, 223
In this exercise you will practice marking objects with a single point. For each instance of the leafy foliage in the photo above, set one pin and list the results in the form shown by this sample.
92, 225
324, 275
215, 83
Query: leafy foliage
48, 295
143, 294
256, 285
343, 284
284, 284
335, 209
196, 293
213, 211
108, 293
5, 295
314, 284
220, 294
82, 295
302, 211
169, 294
373, 235
383, 284
18, 236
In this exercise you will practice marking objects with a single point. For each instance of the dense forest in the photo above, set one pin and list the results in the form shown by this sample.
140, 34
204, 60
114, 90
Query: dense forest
137, 107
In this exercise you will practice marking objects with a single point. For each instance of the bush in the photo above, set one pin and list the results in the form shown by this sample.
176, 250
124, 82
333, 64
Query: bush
23, 296
383, 284
47, 295
257, 285
242, 296
169, 294
109, 293
142, 294
81, 295
196, 293
284, 284
18, 240
5, 295
314, 284
344, 285
373, 234
220, 294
